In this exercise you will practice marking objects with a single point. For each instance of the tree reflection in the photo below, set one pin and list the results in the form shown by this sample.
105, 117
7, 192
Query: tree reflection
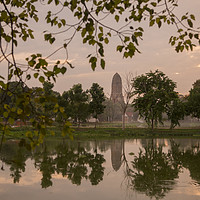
45, 163
153, 172
16, 158
77, 163
74, 163
191, 161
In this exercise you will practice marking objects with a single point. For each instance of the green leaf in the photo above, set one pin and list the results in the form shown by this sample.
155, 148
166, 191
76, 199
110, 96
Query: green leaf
5, 114
101, 28
126, 39
36, 75
190, 23
61, 109
11, 120
31, 63
52, 40
43, 62
63, 70
192, 16
63, 22
190, 35
154, 4
56, 2
152, 22
83, 32
120, 48
19, 111
41, 79
47, 36
117, 18
158, 21
183, 17
102, 63
28, 76
93, 61
101, 51
196, 36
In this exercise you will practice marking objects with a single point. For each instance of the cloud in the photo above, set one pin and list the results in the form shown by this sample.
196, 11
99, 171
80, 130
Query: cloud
195, 53
52, 61
22, 56
91, 74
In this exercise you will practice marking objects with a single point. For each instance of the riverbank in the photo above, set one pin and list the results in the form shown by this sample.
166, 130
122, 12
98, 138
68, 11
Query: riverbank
92, 133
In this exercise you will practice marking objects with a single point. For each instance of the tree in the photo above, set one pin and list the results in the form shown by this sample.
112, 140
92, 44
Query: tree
192, 104
50, 100
77, 104
176, 112
128, 94
196, 84
88, 19
96, 106
112, 111
155, 96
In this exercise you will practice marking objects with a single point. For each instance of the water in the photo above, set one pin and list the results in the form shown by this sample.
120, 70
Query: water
138, 169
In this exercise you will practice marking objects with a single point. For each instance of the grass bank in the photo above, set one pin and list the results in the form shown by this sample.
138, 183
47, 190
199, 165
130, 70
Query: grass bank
92, 133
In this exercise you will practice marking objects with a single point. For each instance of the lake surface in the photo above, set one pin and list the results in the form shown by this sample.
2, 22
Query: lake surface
138, 169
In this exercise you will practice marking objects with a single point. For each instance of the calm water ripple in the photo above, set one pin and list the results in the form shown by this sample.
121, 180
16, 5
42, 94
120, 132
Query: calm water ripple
138, 169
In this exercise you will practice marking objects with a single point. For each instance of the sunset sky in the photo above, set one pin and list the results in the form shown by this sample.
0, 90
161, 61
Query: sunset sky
183, 68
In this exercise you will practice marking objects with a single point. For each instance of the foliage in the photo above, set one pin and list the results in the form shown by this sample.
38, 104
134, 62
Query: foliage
96, 106
156, 96
88, 20
196, 84
50, 99
112, 111
76, 104
176, 112
192, 104
36, 106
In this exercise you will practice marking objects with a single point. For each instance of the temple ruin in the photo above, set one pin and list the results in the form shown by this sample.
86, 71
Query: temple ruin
116, 90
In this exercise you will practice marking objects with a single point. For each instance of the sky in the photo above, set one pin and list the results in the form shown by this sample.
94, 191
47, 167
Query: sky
156, 53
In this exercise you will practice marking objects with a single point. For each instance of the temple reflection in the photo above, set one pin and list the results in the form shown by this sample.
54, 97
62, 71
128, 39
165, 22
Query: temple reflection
116, 153
153, 169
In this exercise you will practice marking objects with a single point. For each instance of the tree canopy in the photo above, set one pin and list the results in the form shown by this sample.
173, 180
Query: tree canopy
156, 96
76, 104
96, 106
193, 105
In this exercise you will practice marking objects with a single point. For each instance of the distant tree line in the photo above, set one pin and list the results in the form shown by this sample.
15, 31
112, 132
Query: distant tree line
154, 100
74, 105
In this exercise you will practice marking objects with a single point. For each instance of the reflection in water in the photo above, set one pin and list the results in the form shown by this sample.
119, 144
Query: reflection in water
116, 153
14, 157
75, 163
152, 171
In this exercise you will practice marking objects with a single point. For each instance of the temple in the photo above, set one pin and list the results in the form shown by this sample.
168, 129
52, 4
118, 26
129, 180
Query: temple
116, 91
